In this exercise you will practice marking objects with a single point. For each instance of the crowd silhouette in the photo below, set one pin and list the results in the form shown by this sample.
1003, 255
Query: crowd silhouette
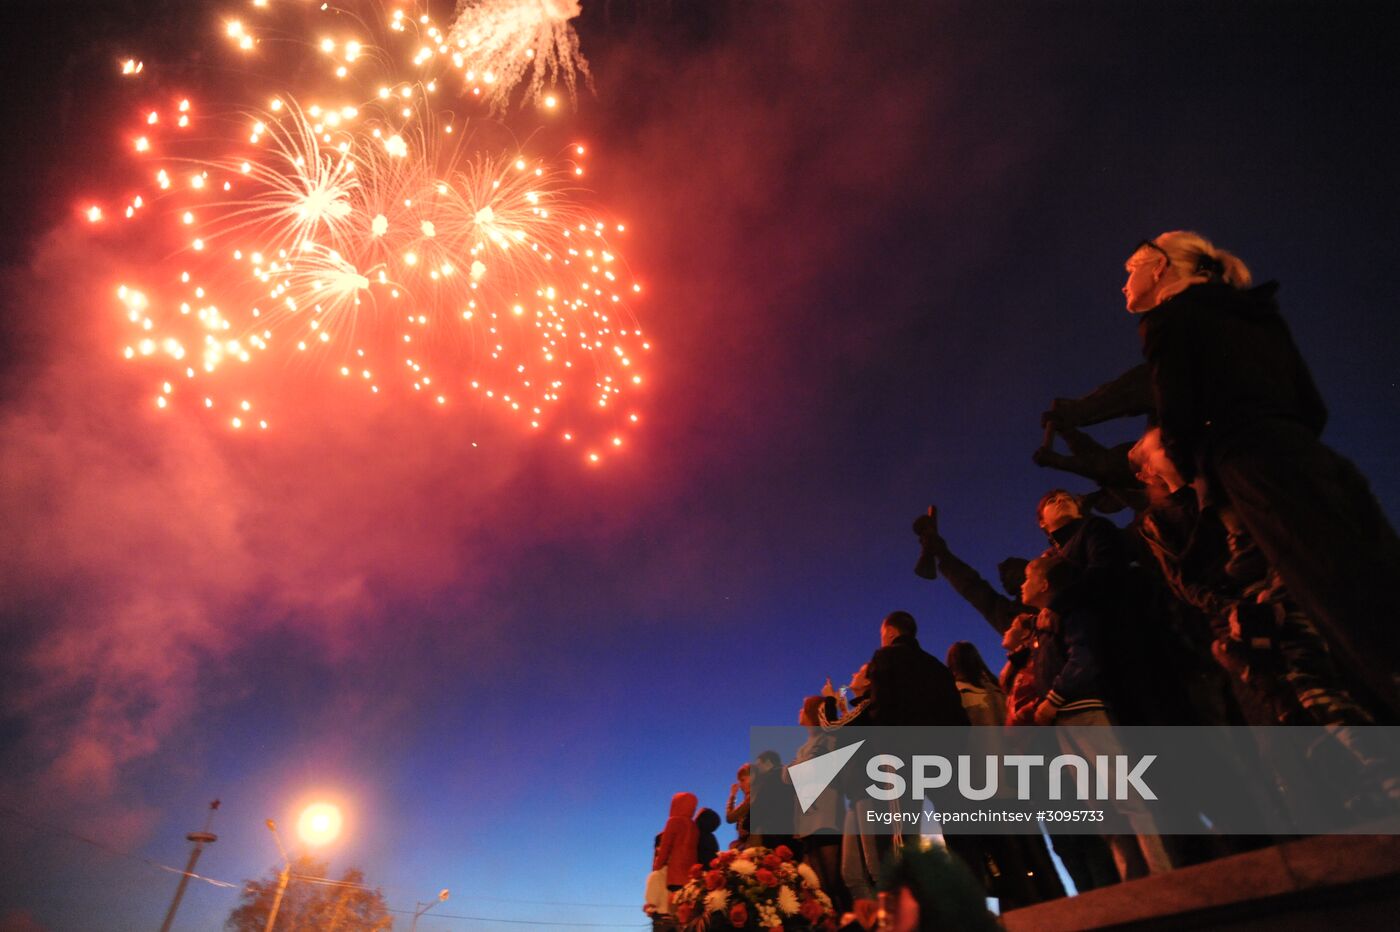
1247, 584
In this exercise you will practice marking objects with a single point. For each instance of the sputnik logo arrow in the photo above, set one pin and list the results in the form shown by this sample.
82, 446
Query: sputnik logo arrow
811, 777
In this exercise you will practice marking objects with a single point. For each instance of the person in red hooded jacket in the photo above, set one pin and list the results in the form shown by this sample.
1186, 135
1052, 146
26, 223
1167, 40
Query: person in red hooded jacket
676, 852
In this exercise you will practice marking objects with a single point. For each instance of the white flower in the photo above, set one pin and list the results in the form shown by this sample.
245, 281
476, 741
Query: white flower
809, 876
787, 901
742, 866
717, 900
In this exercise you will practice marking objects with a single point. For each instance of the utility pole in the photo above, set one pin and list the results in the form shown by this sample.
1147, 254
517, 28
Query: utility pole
282, 878
200, 839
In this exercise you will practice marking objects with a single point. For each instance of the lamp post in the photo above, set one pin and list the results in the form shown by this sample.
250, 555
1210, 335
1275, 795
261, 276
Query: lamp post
421, 908
200, 839
282, 878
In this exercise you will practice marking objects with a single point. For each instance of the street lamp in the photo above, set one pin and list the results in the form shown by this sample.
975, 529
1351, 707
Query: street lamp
318, 824
421, 908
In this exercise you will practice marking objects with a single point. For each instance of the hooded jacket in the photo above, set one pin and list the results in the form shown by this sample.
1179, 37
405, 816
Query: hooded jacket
1222, 359
677, 851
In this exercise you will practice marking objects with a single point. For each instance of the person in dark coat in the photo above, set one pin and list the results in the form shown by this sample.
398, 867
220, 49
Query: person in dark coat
1238, 406
774, 802
1139, 676
1067, 664
706, 845
909, 686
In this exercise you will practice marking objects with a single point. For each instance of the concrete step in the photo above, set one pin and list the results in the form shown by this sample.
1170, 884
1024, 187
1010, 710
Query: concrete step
1342, 882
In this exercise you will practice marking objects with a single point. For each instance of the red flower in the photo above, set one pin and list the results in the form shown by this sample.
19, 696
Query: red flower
777, 928
783, 852
695, 871
772, 861
767, 877
684, 912
811, 909
714, 880
739, 915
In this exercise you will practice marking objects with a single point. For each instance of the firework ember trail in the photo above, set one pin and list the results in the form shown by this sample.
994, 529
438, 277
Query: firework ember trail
357, 227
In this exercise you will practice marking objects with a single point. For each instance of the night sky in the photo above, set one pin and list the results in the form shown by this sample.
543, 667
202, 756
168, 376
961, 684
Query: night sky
876, 239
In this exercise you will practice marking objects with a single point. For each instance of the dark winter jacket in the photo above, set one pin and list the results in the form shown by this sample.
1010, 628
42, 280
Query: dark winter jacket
1066, 660
1133, 636
1095, 547
706, 821
774, 805
1190, 548
1222, 359
909, 686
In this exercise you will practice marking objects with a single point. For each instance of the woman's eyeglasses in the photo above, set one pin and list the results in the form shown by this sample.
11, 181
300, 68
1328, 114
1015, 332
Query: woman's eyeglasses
1148, 244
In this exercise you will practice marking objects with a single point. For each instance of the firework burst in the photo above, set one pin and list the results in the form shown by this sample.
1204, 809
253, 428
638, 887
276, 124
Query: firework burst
497, 43
372, 241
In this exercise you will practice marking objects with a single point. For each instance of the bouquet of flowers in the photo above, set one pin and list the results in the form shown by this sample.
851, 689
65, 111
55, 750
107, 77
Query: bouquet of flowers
753, 889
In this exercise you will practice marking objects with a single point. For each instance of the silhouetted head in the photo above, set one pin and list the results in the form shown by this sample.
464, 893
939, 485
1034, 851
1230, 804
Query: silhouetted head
1012, 572
966, 664
897, 625
707, 820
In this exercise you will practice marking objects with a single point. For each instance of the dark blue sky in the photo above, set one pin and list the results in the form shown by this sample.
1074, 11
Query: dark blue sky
877, 239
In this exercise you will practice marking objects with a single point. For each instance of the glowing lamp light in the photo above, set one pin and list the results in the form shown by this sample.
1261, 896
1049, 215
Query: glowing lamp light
319, 823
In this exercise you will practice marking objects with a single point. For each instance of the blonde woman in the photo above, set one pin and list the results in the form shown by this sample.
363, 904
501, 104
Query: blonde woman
1241, 417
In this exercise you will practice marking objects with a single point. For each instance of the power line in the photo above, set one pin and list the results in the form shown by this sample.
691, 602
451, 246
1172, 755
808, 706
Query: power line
67, 833
326, 881
532, 922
